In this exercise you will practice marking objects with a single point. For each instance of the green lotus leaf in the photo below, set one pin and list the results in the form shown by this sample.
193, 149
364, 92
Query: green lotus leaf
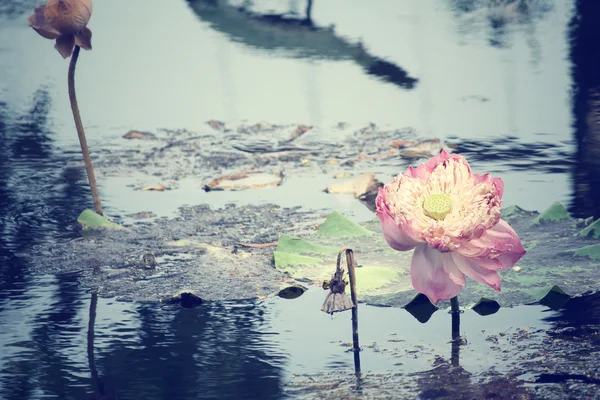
592, 252
555, 213
554, 297
592, 230
383, 275
421, 308
91, 222
486, 307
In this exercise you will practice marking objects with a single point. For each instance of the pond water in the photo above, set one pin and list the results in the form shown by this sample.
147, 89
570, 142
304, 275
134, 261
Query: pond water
513, 84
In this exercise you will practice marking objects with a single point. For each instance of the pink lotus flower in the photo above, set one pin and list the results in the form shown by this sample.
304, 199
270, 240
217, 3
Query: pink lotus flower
65, 21
451, 217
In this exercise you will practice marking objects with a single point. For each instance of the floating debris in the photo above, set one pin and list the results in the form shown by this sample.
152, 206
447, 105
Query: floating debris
245, 181
185, 298
359, 186
139, 135
149, 261
424, 149
216, 125
292, 292
154, 188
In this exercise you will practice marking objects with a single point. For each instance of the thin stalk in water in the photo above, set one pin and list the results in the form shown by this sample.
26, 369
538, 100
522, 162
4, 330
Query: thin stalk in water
354, 297
456, 339
89, 167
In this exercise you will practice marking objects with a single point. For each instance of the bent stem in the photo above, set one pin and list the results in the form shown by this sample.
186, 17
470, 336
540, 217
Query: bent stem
79, 126
354, 297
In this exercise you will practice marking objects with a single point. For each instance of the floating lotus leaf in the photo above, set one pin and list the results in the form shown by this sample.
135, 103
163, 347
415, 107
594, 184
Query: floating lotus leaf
421, 308
555, 213
592, 230
592, 251
554, 298
556, 255
291, 292
337, 225
486, 307
93, 223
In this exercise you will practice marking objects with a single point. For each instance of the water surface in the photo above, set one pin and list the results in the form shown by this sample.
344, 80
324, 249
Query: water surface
513, 84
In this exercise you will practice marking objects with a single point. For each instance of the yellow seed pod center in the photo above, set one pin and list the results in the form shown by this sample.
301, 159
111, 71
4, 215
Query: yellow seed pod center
437, 206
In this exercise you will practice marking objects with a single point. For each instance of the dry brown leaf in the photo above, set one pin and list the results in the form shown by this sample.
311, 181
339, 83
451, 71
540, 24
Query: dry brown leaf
401, 143
343, 175
218, 125
139, 135
424, 149
362, 184
156, 188
244, 181
299, 131
365, 157
258, 245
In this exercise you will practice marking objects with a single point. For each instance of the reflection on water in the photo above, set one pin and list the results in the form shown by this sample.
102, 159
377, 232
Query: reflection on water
15, 9
297, 37
41, 190
61, 342
586, 108
221, 351
502, 16
214, 352
511, 153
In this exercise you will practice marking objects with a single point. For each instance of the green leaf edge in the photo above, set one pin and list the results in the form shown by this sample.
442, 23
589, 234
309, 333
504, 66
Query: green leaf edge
592, 251
555, 213
90, 221
592, 230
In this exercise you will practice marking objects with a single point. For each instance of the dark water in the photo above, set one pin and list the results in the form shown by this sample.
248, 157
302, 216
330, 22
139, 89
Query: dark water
516, 85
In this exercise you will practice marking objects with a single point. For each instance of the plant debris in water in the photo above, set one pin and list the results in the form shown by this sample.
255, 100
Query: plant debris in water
557, 255
204, 250
555, 361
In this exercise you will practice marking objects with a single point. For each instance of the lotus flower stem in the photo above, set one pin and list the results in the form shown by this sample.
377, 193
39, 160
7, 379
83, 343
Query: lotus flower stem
89, 167
456, 339
454, 305
352, 278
